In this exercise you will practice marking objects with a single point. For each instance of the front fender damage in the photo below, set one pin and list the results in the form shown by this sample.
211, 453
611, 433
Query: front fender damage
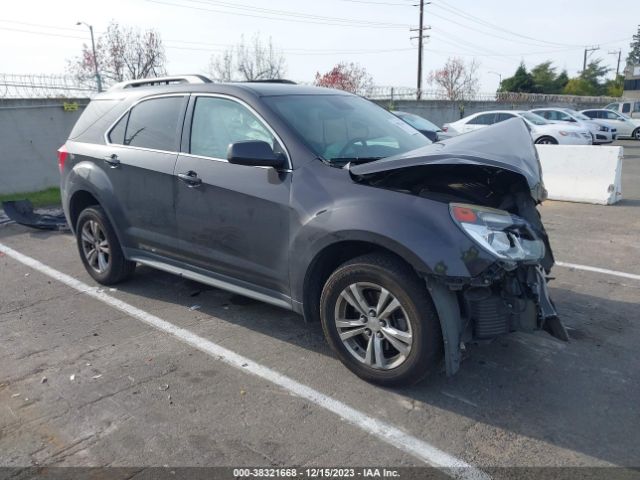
497, 167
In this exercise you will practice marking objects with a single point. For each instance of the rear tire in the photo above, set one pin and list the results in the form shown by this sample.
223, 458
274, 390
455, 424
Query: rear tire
382, 342
546, 141
100, 249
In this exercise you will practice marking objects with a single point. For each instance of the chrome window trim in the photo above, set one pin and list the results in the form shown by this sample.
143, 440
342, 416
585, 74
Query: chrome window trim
254, 112
215, 95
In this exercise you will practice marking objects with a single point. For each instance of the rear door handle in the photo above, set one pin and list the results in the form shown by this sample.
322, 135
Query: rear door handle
112, 160
190, 178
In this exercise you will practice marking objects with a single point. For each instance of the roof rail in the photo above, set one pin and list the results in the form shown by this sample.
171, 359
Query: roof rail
272, 80
154, 81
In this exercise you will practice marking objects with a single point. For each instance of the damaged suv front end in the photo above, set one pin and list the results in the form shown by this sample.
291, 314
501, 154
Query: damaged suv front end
492, 183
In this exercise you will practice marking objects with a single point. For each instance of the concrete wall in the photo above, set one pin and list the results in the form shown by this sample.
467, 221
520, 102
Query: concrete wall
31, 131
444, 111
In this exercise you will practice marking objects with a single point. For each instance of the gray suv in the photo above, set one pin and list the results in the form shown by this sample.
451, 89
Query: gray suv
321, 202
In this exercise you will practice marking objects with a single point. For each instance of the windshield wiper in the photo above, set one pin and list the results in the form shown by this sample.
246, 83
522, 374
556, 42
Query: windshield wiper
342, 161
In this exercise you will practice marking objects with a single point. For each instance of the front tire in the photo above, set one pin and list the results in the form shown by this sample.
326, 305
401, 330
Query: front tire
100, 249
379, 319
546, 141
636, 134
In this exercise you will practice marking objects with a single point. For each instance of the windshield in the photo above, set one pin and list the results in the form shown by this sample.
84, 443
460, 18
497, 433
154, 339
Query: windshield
344, 127
533, 118
418, 122
578, 115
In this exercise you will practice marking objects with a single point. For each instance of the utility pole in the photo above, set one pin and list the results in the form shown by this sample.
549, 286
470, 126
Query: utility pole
619, 53
586, 51
421, 28
95, 57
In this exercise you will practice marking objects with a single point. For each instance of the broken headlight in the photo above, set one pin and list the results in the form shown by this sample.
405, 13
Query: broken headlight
506, 236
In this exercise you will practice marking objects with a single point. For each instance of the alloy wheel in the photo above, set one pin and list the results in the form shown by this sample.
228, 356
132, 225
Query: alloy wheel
95, 246
373, 326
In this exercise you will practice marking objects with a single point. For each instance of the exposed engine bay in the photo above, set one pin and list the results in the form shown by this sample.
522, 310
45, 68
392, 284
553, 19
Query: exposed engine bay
493, 198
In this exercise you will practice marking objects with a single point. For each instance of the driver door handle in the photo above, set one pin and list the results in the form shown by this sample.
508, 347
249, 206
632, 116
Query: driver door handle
190, 178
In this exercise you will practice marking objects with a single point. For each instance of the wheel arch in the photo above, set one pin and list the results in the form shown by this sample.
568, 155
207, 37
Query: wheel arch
78, 201
328, 258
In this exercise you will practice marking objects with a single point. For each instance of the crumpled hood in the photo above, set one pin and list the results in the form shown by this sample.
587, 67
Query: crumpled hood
506, 145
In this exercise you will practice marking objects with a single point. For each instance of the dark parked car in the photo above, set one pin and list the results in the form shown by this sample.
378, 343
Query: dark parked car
321, 202
424, 126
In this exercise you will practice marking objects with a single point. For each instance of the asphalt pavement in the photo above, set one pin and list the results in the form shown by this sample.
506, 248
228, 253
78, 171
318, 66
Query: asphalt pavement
92, 382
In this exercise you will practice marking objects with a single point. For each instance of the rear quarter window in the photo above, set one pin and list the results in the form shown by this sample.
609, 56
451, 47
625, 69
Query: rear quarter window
93, 113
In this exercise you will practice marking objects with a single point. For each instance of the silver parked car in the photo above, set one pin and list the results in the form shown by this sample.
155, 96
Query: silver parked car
601, 133
627, 127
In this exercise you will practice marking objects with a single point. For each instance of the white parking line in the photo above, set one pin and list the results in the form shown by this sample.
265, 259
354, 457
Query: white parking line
587, 268
385, 432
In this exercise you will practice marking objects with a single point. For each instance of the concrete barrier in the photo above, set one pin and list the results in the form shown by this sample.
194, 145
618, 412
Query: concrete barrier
585, 174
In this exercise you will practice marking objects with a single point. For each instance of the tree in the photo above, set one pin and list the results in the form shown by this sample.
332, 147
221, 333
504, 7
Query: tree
561, 81
544, 78
253, 61
634, 50
615, 87
579, 86
350, 77
457, 80
123, 53
522, 81
594, 75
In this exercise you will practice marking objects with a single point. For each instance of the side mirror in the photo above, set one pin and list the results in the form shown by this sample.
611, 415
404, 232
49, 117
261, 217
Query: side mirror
254, 153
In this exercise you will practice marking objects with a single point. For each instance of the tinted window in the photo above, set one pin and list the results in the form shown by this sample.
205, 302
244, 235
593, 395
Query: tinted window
218, 122
592, 114
533, 118
418, 122
485, 119
345, 126
563, 116
544, 113
501, 117
154, 124
117, 132
626, 107
92, 113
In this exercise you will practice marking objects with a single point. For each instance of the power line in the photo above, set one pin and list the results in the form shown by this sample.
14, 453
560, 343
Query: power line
485, 23
219, 47
281, 15
380, 3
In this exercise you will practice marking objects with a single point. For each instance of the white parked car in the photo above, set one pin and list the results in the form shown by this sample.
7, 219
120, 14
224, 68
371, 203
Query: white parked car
630, 108
627, 127
542, 131
601, 133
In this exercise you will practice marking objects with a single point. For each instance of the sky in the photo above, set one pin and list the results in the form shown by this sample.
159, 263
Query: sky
38, 36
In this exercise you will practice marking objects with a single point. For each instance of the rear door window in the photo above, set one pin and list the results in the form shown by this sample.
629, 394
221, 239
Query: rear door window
626, 107
152, 124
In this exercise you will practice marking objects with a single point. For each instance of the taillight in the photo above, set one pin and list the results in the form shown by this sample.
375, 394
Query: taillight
62, 157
